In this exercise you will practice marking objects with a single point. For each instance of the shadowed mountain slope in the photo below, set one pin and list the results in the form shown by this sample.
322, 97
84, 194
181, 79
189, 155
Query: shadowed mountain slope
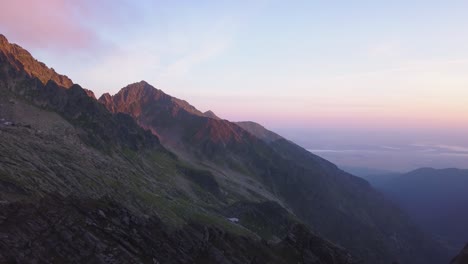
339, 206
436, 199
101, 231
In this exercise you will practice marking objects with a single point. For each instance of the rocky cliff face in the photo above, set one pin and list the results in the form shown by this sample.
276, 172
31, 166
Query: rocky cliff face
81, 184
339, 206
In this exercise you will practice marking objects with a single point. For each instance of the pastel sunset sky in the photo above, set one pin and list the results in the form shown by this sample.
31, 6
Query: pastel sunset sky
350, 72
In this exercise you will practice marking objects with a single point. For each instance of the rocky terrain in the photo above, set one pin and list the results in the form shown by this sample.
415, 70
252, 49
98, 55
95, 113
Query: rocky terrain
143, 177
247, 159
80, 184
56, 229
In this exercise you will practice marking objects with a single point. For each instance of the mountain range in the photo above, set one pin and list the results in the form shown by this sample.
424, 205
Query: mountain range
435, 198
143, 177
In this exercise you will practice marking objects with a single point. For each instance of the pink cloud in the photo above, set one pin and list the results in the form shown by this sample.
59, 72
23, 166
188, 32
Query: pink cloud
47, 23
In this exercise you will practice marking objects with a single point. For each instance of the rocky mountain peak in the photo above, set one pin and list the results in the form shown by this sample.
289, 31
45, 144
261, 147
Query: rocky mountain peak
3, 40
139, 94
105, 97
22, 60
211, 114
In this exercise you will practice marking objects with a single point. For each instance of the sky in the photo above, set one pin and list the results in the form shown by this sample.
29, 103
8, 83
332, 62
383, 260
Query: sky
330, 75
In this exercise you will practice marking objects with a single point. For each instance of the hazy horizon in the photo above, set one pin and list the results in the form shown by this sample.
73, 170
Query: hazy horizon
385, 150
341, 78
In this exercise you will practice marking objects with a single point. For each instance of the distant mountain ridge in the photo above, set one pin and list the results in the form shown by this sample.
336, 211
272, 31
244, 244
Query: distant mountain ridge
436, 198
